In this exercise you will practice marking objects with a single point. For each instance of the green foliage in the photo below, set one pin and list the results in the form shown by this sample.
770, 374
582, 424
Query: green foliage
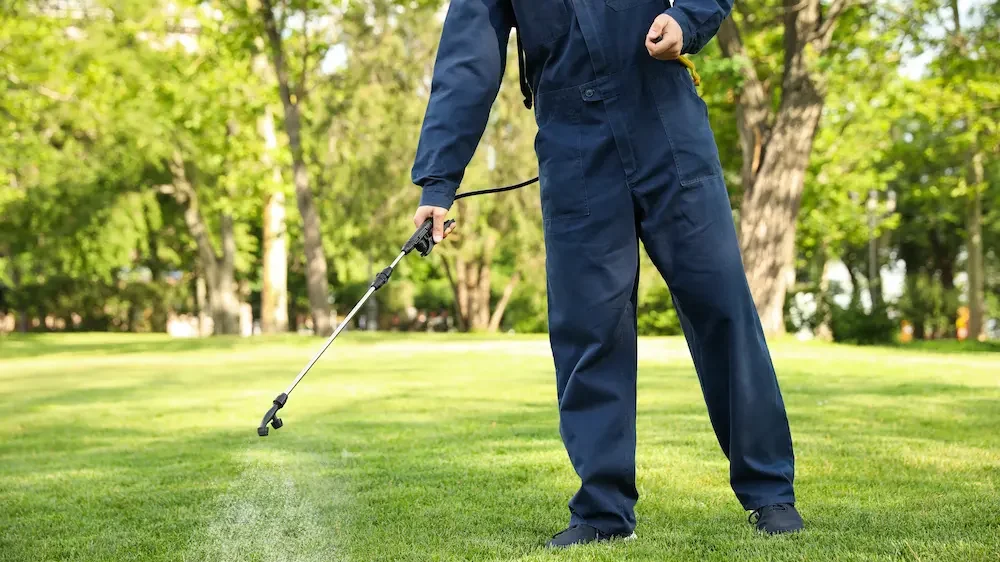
929, 306
656, 314
858, 326
93, 106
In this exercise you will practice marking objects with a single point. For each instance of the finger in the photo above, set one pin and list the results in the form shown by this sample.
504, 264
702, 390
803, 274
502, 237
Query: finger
420, 216
667, 49
438, 225
654, 48
661, 48
449, 230
656, 29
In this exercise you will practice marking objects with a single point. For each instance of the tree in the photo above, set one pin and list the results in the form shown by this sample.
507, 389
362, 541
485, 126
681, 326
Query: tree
274, 269
292, 95
963, 103
778, 112
971, 72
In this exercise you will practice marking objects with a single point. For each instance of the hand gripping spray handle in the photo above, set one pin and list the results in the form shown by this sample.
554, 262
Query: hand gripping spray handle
423, 239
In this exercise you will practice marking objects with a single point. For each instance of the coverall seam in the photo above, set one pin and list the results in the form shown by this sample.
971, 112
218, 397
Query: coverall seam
629, 165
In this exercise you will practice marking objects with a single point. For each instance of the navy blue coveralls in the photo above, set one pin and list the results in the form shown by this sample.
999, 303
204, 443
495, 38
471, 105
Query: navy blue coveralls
625, 155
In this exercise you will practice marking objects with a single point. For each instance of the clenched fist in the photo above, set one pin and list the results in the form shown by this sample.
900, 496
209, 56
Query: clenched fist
665, 38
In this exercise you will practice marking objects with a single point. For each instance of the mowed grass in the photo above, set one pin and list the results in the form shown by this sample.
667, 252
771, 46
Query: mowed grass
117, 447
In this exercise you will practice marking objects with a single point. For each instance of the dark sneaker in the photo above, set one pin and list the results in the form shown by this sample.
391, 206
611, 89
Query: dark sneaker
776, 518
582, 534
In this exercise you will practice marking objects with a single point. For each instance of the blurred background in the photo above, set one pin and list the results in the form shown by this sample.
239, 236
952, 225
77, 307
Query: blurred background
242, 167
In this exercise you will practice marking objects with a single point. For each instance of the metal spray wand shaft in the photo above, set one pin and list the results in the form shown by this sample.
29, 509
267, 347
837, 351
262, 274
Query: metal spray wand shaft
340, 328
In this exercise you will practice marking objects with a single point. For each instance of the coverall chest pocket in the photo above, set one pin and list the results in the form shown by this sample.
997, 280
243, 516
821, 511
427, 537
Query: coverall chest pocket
541, 21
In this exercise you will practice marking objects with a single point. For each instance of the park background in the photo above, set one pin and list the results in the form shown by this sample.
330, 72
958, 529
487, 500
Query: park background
191, 192
197, 164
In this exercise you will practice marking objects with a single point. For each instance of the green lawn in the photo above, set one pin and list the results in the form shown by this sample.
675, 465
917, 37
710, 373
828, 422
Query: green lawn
117, 447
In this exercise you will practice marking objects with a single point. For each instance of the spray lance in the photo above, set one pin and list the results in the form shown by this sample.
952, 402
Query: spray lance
422, 241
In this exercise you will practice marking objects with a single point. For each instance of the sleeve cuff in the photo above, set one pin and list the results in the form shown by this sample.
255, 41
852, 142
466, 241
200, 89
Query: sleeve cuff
438, 196
686, 28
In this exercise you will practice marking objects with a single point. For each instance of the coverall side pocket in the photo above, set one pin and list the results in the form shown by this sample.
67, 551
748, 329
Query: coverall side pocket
684, 117
560, 168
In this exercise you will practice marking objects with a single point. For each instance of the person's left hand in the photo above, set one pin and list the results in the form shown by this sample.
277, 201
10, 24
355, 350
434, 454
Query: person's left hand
669, 47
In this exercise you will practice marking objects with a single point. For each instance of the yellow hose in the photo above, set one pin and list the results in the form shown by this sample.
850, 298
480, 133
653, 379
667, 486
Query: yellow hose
690, 65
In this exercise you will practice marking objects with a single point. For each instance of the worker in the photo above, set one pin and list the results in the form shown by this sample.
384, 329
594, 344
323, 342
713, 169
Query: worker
626, 155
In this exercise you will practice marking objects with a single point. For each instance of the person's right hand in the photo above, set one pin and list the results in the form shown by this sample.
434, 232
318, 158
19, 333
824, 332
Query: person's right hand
438, 213
665, 38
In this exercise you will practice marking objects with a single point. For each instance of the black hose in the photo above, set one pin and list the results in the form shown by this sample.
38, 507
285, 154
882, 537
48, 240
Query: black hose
497, 189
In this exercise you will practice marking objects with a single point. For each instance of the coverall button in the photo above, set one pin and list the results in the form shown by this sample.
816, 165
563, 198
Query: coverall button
589, 93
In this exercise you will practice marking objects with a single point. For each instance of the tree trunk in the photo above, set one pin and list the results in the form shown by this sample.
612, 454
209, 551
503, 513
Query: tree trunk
218, 273
201, 302
225, 303
977, 287
471, 286
855, 280
158, 319
462, 293
459, 318
942, 259
497, 316
770, 208
22, 311
920, 322
775, 157
823, 303
875, 276
316, 272
481, 291
274, 292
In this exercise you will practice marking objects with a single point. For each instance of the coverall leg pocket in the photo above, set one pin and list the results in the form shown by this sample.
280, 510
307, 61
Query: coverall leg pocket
560, 168
685, 120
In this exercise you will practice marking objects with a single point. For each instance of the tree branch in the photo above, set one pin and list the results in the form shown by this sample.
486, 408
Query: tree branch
828, 23
454, 291
40, 90
186, 196
497, 316
284, 16
300, 88
753, 109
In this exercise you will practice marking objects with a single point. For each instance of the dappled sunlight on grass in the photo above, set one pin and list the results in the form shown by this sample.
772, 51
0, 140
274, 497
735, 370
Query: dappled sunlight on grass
136, 447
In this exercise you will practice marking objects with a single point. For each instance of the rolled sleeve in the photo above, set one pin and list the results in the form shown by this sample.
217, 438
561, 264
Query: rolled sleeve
438, 194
